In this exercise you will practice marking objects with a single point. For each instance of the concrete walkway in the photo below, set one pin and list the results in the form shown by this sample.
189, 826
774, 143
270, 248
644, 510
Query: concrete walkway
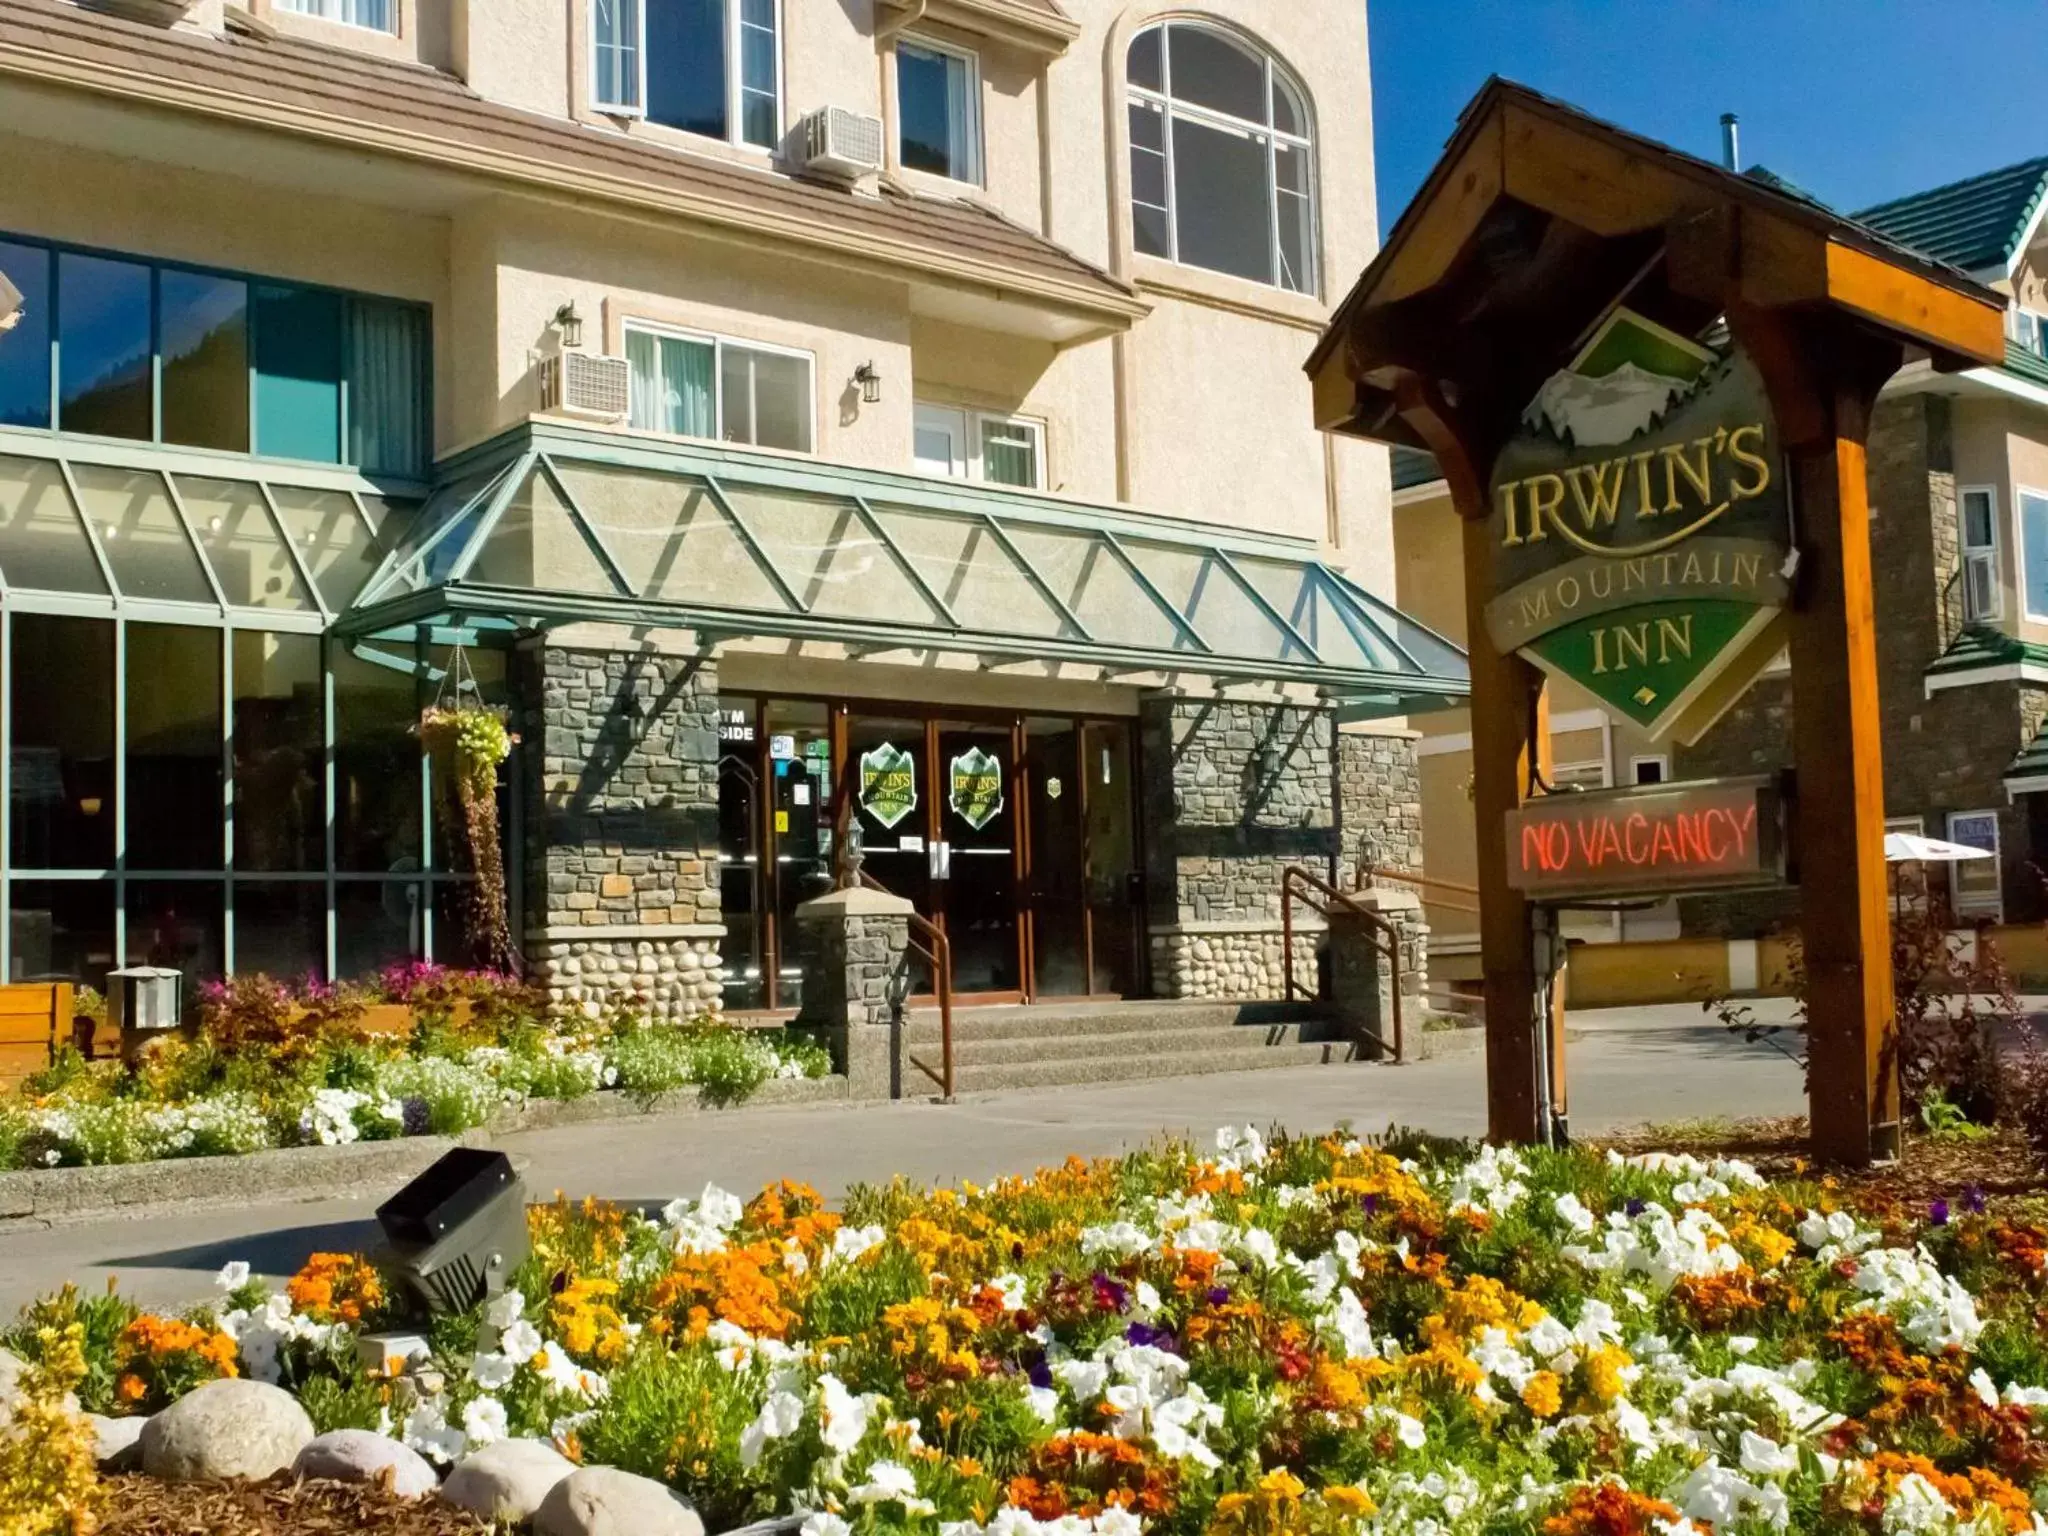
1627, 1066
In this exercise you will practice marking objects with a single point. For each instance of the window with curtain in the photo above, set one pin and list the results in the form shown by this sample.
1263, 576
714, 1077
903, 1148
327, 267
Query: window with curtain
2033, 507
938, 110
1222, 172
172, 354
711, 67
707, 386
376, 15
973, 445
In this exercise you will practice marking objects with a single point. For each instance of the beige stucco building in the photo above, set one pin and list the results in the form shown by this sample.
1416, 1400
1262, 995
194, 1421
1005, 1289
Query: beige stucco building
759, 399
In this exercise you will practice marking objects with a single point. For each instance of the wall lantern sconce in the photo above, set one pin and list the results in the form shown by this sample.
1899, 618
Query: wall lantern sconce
89, 805
570, 324
870, 383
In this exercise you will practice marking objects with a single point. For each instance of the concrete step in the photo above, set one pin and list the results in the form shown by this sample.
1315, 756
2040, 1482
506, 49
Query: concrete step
1043, 1021
1124, 1069
980, 1051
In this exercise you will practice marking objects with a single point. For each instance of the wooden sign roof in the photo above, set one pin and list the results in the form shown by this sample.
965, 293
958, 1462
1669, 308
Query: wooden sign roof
1540, 218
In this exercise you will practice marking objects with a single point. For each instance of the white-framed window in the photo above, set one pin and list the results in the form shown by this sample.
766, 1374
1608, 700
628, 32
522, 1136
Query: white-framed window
980, 445
2030, 511
375, 15
691, 384
2029, 329
938, 109
1222, 157
1652, 768
1974, 884
1977, 517
1591, 774
710, 67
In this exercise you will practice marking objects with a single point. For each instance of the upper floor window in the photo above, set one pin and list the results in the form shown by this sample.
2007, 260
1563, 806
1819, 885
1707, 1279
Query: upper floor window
377, 15
1977, 516
121, 348
2030, 331
1222, 172
938, 110
691, 385
711, 67
974, 445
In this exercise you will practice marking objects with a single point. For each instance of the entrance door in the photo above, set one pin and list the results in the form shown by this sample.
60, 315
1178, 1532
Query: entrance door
1057, 883
976, 855
889, 764
1112, 856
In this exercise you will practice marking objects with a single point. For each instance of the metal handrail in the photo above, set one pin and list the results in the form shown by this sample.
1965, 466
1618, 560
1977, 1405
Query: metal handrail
937, 952
1367, 873
1319, 895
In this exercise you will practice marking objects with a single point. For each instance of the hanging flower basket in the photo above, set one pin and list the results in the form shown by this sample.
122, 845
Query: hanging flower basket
468, 741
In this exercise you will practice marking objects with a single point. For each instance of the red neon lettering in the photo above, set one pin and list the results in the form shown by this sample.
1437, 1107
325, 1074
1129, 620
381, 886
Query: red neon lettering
1637, 821
1661, 841
1589, 841
1743, 827
1532, 842
1609, 839
1708, 821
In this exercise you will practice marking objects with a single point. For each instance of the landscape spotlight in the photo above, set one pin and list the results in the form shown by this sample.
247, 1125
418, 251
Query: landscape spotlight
458, 1230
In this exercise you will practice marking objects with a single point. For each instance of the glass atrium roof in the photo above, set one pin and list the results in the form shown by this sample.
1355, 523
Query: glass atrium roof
552, 524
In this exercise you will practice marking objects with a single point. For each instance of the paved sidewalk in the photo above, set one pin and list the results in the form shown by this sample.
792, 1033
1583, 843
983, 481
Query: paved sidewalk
1627, 1066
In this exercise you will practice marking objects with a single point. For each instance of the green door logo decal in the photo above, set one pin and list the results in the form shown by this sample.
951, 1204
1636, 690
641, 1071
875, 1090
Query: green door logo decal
976, 791
1641, 528
888, 783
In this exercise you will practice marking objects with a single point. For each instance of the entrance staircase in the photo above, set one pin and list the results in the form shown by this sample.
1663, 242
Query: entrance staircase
1046, 1045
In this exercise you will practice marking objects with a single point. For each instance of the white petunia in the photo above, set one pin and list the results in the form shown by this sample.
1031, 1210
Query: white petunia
824, 1523
505, 1309
520, 1342
780, 1417
233, 1276
890, 1482
483, 1421
491, 1370
843, 1415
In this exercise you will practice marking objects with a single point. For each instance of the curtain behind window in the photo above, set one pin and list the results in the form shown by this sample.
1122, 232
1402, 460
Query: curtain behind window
962, 121
615, 54
672, 384
387, 371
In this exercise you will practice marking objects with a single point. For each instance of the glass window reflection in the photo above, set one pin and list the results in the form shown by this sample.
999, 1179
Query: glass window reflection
63, 742
279, 823
25, 344
174, 747
204, 330
103, 347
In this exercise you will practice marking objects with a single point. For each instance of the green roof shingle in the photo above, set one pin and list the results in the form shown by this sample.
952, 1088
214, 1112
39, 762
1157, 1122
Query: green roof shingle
1972, 224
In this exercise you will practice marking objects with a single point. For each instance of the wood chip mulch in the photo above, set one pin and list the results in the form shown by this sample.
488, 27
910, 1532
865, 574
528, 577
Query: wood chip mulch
2000, 1169
282, 1506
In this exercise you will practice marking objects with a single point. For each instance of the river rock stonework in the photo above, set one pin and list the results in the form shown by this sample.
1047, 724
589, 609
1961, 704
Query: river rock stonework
622, 827
1379, 802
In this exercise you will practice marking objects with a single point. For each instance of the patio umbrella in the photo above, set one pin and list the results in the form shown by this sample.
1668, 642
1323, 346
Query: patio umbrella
1912, 848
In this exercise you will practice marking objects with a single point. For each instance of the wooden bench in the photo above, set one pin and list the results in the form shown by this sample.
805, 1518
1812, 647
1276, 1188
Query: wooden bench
35, 1018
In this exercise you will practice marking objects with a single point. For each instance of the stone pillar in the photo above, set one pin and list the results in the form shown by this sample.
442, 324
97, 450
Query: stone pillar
1379, 801
1362, 983
1234, 793
854, 945
622, 870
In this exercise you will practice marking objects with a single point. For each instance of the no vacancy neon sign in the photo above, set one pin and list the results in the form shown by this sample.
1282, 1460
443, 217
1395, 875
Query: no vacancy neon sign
1666, 840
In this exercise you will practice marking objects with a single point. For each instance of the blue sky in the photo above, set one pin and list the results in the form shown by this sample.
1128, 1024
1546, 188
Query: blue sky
1856, 100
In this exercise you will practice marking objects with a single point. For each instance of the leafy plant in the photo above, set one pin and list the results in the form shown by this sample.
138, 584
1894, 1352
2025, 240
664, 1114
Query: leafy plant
1944, 1121
469, 742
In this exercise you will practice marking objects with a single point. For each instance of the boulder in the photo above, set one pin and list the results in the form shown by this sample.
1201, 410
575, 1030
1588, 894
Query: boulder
603, 1501
358, 1456
225, 1429
506, 1480
119, 1441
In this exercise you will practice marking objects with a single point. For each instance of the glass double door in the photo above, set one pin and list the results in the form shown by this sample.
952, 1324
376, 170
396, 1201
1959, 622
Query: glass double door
986, 827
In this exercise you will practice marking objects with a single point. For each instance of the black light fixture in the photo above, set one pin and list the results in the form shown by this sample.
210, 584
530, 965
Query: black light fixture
458, 1231
570, 324
870, 383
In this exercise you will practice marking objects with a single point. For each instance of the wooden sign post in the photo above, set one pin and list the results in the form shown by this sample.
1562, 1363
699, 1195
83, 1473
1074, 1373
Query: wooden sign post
1648, 382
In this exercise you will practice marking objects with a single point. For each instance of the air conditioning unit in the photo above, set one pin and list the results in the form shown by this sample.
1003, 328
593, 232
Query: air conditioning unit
586, 384
836, 142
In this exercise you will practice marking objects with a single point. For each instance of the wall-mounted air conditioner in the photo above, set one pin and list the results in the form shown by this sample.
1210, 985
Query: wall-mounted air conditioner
835, 142
585, 384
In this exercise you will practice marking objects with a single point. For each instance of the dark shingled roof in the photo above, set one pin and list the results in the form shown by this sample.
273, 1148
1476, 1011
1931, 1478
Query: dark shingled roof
1413, 467
1974, 223
277, 71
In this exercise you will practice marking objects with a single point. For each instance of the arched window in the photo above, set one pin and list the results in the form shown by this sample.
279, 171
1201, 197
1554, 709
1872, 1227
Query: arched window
1222, 172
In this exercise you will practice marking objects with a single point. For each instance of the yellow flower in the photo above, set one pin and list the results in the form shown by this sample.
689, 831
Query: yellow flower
1347, 1500
1543, 1394
1604, 1372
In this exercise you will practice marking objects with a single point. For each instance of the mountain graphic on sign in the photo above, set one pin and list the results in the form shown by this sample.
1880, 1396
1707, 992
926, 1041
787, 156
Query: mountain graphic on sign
1627, 375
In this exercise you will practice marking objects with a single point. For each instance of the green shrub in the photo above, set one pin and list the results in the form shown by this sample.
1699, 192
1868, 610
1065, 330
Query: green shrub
729, 1065
652, 1061
100, 1318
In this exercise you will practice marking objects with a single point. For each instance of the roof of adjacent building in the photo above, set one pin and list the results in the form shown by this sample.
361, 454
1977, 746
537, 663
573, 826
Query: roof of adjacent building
1413, 467
1975, 224
255, 68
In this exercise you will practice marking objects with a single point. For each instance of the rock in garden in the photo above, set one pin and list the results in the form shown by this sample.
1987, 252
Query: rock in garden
358, 1456
507, 1479
603, 1501
226, 1429
119, 1441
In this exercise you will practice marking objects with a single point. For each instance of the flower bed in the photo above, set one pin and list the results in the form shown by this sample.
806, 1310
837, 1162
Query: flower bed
271, 1066
1302, 1336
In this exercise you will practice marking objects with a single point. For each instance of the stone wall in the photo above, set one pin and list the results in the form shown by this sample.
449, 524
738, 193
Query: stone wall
1379, 802
1234, 794
1942, 753
622, 826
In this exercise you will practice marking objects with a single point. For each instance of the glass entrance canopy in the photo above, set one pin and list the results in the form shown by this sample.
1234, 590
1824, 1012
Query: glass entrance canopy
552, 524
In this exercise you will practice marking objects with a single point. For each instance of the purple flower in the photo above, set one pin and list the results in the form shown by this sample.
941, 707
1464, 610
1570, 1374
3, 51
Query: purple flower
1144, 1333
1218, 1294
1370, 1203
1039, 1374
1109, 1295
1938, 1213
1016, 1253
1634, 1208
1973, 1200
419, 1116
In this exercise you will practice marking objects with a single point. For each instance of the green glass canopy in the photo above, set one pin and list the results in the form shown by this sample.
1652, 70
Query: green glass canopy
552, 524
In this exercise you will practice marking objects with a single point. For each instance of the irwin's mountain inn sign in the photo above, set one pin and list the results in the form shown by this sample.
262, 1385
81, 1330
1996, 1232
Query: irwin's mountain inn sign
1641, 527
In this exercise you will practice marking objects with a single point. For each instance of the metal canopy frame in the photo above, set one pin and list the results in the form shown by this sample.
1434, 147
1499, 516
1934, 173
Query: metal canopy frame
427, 580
